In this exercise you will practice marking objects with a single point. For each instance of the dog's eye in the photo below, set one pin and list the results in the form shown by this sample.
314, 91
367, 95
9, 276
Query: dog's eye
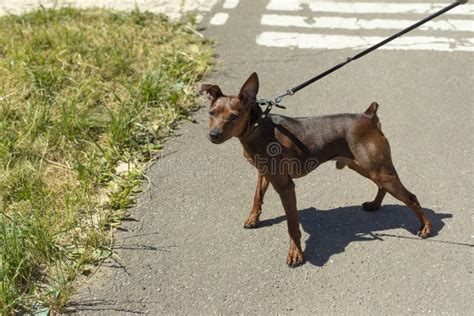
212, 113
234, 117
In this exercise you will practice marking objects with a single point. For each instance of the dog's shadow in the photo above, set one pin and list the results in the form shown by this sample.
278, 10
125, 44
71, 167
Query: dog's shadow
330, 231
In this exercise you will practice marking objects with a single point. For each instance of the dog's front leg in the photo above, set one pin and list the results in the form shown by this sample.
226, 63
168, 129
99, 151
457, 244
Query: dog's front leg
286, 189
254, 216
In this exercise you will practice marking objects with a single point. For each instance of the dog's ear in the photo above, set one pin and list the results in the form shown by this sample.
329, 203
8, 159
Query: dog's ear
212, 91
248, 92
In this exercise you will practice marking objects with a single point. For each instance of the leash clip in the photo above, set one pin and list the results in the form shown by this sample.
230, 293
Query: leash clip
279, 98
275, 101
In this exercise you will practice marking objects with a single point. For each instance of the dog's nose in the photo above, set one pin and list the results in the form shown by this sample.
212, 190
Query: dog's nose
214, 135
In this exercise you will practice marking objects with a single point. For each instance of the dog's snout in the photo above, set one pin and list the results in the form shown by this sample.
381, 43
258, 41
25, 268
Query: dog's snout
214, 135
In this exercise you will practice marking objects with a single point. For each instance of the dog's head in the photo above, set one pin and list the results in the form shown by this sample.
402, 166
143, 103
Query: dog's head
229, 115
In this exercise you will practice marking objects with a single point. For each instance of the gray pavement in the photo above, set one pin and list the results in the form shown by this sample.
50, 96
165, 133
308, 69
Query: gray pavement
184, 250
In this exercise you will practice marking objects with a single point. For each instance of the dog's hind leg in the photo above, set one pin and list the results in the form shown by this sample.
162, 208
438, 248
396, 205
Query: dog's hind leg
253, 218
377, 202
373, 157
392, 184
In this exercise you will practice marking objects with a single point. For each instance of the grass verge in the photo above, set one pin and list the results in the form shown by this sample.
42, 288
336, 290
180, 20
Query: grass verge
82, 94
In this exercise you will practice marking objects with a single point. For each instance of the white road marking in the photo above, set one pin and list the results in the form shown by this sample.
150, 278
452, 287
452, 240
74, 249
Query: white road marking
366, 7
324, 41
363, 24
219, 18
230, 4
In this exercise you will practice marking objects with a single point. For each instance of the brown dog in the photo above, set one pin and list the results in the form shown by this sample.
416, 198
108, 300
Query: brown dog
284, 148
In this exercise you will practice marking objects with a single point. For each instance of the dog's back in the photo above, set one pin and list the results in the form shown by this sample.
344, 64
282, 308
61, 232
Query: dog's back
321, 133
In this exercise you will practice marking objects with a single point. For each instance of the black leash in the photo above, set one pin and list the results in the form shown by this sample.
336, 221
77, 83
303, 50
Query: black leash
269, 103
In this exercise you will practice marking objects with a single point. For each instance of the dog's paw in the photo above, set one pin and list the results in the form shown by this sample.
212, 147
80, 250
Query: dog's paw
424, 231
295, 258
370, 206
251, 222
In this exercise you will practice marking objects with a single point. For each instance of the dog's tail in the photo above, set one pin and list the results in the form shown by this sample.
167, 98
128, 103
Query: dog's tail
371, 112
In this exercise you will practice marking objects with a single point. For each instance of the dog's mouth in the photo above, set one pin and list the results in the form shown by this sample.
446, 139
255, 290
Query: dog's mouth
216, 141
216, 137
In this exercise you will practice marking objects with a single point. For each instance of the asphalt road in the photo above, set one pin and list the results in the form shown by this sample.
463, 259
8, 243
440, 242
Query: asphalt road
185, 251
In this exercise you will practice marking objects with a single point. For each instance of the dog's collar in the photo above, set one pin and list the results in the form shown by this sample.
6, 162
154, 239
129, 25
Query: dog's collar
256, 116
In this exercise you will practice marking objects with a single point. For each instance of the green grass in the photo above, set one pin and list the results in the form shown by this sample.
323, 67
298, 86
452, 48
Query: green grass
81, 92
